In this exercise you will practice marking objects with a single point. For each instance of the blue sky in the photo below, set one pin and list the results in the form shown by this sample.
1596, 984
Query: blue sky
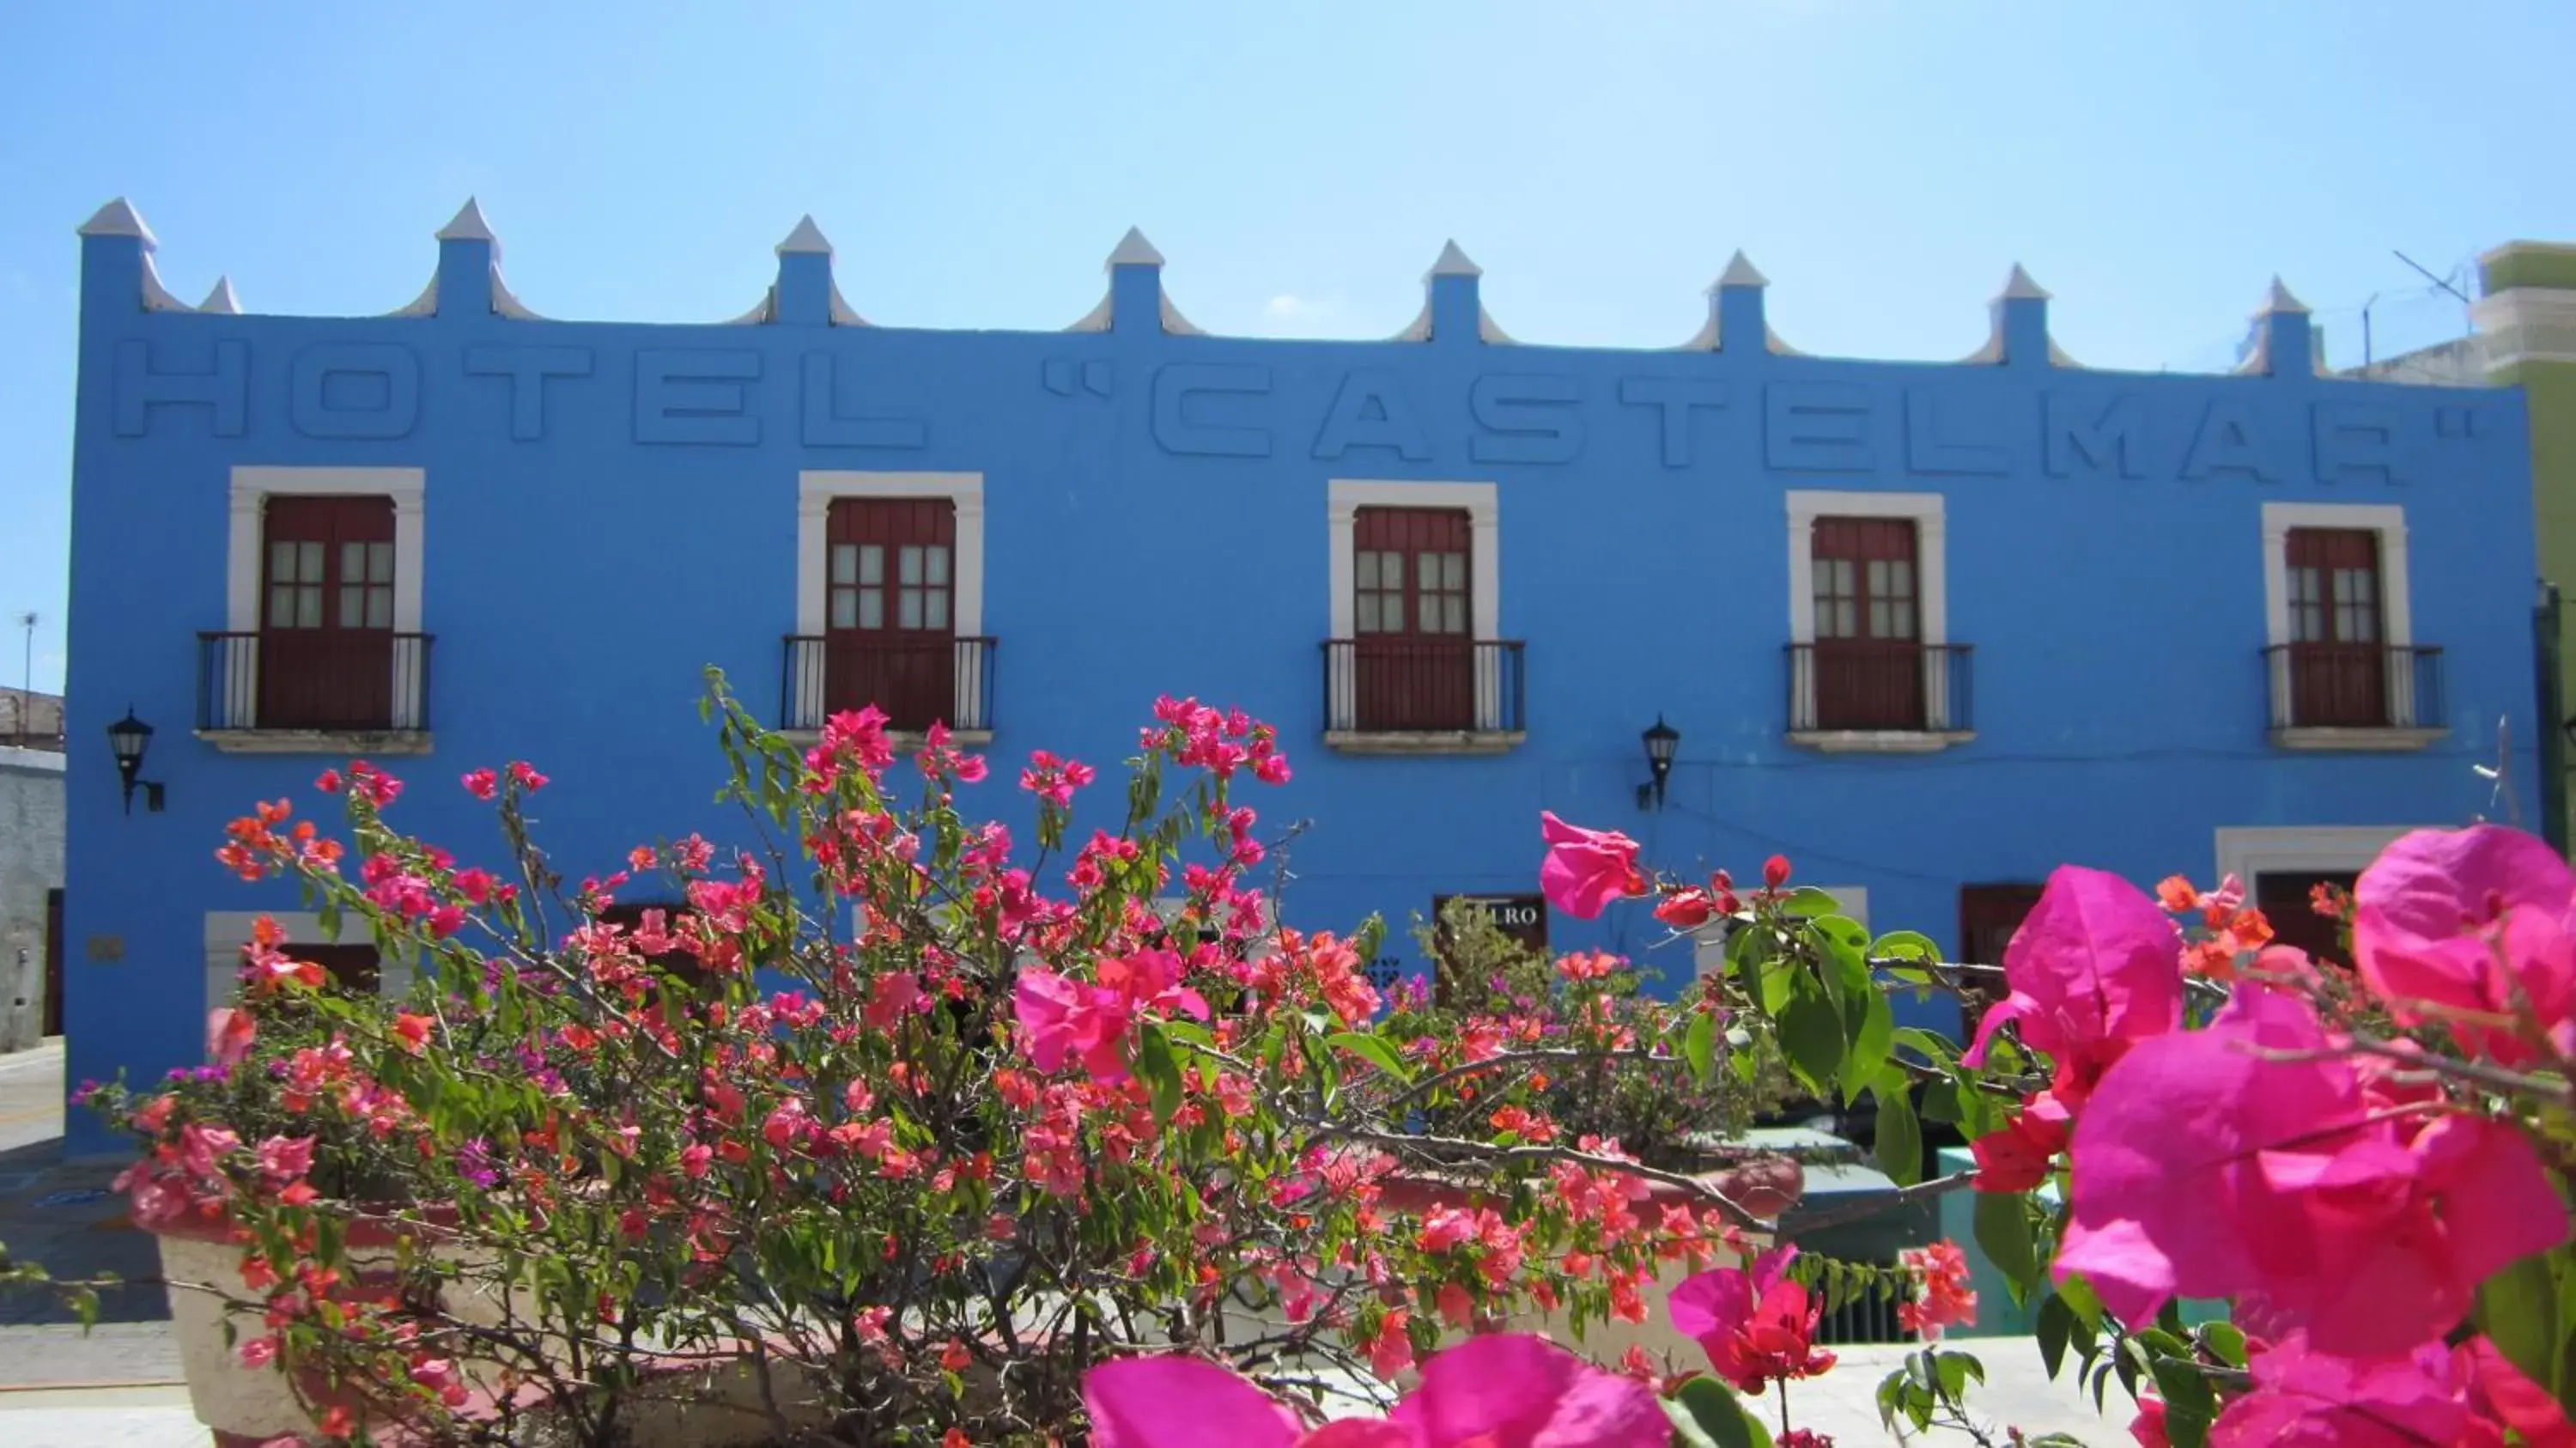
1300, 165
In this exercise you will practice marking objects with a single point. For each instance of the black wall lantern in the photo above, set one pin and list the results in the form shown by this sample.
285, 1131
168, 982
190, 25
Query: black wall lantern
1662, 740
129, 737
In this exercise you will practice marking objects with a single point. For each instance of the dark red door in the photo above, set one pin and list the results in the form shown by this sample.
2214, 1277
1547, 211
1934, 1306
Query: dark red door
2338, 663
1415, 650
353, 967
1988, 916
1869, 658
326, 641
2286, 898
892, 638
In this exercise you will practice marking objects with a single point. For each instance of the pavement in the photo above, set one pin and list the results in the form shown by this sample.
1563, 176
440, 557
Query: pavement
119, 1384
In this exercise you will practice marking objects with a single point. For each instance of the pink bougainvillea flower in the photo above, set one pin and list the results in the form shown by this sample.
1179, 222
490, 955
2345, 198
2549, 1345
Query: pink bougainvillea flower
1586, 869
1757, 1326
2465, 1397
2096, 967
2452, 922
2244, 1159
1504, 1391
1062, 1018
229, 1034
2018, 1157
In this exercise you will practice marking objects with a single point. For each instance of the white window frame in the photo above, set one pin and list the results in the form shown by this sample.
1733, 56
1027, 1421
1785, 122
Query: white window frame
1344, 497
1931, 608
816, 491
227, 931
247, 542
1708, 943
2396, 618
2248, 851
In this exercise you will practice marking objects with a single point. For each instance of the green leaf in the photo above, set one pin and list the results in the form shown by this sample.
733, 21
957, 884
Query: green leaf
2224, 1341
1941, 1102
2003, 1232
1869, 1024
1904, 945
1900, 1137
2056, 1321
1930, 1045
1160, 1073
1811, 1035
1807, 900
1699, 1046
1372, 1049
1955, 1369
1710, 1408
2528, 1311
2191, 1404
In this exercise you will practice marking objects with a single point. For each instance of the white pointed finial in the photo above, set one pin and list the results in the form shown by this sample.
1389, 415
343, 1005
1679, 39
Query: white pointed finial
806, 240
468, 225
1453, 263
2020, 288
1740, 272
221, 302
1135, 250
119, 218
2279, 300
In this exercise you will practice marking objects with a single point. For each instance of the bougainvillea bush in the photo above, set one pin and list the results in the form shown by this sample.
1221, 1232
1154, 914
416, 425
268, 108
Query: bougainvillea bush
907, 1121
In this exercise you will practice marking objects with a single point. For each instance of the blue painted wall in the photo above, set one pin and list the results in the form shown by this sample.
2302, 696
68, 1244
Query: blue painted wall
610, 507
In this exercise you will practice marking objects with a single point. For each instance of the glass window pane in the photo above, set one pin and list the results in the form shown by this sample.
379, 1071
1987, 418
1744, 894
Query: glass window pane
845, 563
937, 566
872, 564
380, 608
1904, 611
1391, 570
935, 610
1455, 615
908, 606
1453, 573
380, 563
1846, 619
1900, 577
281, 562
308, 608
908, 566
871, 608
1394, 613
1878, 577
845, 608
353, 563
281, 605
1368, 570
308, 562
1880, 625
1368, 616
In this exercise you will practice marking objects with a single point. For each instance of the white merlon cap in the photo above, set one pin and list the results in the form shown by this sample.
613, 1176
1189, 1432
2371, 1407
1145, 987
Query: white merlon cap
2020, 288
806, 240
1453, 263
1134, 250
1740, 272
468, 225
221, 301
119, 218
2279, 300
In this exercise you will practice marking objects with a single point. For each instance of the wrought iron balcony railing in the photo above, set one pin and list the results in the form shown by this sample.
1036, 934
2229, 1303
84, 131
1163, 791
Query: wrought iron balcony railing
1895, 686
916, 681
1400, 684
313, 680
2354, 686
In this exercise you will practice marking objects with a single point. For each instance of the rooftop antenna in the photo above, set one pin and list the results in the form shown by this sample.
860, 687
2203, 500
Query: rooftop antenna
2443, 282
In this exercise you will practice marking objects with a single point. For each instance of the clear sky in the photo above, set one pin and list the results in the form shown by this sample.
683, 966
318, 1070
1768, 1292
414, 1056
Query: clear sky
1299, 163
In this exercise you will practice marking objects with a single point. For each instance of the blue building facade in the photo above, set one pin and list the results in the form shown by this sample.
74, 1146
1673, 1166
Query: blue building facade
1928, 630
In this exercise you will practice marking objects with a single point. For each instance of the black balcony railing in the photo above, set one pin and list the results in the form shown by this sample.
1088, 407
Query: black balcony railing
1881, 685
1401, 684
354, 680
916, 681
2354, 686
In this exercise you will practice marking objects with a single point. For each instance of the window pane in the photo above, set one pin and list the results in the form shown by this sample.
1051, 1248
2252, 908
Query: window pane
908, 565
308, 607
1368, 570
1454, 618
938, 566
353, 563
281, 605
380, 608
935, 609
872, 564
1394, 613
845, 608
1880, 625
845, 563
1900, 577
871, 608
281, 562
1846, 619
1904, 609
908, 604
1391, 569
380, 563
1844, 579
1368, 616
1453, 571
308, 562
1878, 578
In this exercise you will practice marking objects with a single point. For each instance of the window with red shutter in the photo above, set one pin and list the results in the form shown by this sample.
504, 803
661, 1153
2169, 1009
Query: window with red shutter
1868, 666
326, 639
2338, 658
1414, 657
891, 624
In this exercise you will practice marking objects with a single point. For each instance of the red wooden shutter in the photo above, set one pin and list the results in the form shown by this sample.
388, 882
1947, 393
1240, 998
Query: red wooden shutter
1868, 666
2338, 662
326, 649
1415, 655
891, 623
